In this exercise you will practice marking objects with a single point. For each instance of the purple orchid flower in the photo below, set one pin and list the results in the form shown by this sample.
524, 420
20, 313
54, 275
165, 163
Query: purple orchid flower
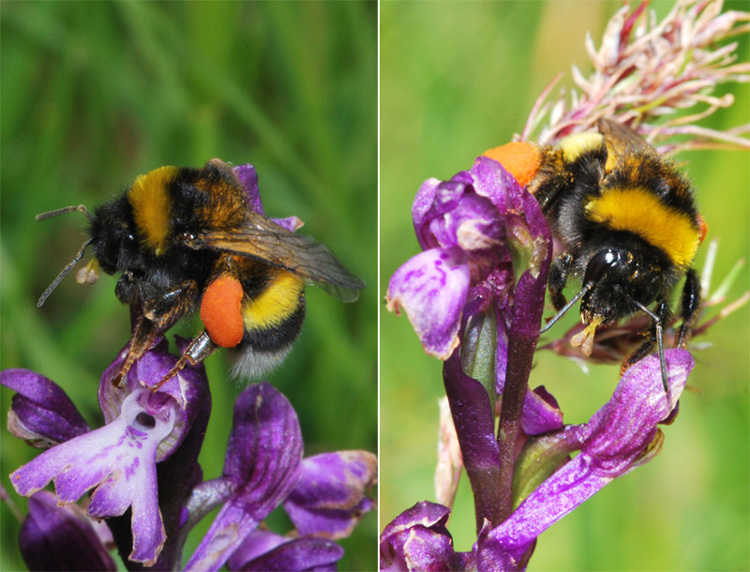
462, 234
479, 286
327, 500
118, 460
54, 537
418, 539
475, 298
323, 495
621, 436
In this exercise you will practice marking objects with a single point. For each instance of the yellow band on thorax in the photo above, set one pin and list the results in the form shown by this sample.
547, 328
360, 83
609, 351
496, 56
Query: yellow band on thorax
573, 146
149, 196
641, 212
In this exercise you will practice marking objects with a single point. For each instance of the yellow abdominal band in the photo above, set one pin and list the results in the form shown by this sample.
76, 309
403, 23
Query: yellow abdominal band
278, 301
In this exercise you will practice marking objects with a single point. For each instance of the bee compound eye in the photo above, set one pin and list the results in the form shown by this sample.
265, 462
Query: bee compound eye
600, 264
108, 257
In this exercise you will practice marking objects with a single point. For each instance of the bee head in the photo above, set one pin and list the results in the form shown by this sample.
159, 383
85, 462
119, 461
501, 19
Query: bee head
621, 282
114, 237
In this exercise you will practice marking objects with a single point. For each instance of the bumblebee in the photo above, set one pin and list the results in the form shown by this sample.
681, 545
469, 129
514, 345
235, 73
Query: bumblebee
628, 227
184, 239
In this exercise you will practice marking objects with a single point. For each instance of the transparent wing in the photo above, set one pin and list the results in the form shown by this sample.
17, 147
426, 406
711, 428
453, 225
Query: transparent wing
272, 244
620, 137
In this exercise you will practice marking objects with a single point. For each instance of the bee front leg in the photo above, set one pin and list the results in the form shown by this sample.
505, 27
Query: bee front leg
143, 337
558, 276
159, 314
691, 303
655, 336
127, 290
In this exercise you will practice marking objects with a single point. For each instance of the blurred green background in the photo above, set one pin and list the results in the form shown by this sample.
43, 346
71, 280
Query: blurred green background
458, 78
95, 93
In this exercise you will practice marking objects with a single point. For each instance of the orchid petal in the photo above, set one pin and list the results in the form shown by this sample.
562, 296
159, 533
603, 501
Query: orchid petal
61, 538
262, 467
264, 551
541, 413
431, 287
41, 413
329, 499
248, 178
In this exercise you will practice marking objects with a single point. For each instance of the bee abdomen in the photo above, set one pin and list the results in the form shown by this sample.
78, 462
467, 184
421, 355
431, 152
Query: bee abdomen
264, 348
272, 313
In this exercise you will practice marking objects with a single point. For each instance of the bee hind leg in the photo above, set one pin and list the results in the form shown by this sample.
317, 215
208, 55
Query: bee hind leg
199, 349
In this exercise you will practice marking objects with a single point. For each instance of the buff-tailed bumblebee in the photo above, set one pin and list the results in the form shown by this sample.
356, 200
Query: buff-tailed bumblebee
629, 229
186, 239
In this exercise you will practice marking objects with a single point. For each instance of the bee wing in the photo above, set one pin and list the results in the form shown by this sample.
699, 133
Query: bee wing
620, 138
267, 242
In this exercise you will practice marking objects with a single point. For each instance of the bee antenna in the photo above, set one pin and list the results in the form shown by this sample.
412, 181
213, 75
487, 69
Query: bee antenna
69, 266
70, 209
659, 342
567, 306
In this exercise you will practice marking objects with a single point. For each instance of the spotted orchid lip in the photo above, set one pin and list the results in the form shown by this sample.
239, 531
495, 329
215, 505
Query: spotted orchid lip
324, 495
118, 460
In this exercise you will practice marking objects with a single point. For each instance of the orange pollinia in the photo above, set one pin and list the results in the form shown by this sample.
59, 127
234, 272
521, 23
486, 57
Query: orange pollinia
520, 159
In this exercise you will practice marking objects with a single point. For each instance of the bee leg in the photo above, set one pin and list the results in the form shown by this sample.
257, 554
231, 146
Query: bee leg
166, 309
655, 336
555, 179
199, 349
142, 339
558, 276
159, 313
127, 288
691, 302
